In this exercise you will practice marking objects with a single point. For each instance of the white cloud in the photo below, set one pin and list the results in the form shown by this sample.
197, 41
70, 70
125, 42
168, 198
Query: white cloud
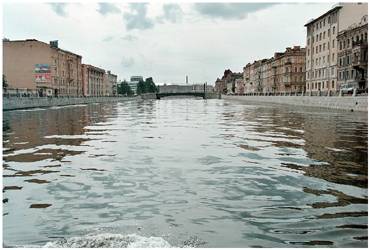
198, 46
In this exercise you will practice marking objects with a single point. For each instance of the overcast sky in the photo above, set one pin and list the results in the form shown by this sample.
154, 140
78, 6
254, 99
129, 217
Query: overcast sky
164, 40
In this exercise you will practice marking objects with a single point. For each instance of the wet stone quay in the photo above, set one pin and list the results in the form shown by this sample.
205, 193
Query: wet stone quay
185, 172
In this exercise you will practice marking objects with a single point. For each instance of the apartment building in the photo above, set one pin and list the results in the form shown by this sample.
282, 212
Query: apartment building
93, 80
239, 86
353, 55
285, 72
246, 78
42, 68
288, 70
134, 81
226, 85
110, 84
322, 45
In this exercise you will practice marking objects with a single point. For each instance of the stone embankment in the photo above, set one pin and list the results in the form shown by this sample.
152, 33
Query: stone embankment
11, 103
349, 103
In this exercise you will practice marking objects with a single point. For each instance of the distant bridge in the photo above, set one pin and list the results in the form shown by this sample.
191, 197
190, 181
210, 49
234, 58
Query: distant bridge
197, 94
199, 90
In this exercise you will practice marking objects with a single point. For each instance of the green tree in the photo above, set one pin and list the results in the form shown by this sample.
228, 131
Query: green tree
141, 89
124, 89
151, 88
5, 82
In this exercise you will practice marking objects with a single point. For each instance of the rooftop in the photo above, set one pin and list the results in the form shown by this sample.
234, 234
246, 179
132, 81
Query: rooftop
336, 7
35, 40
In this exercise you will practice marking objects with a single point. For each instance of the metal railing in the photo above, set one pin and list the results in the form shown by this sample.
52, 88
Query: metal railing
356, 92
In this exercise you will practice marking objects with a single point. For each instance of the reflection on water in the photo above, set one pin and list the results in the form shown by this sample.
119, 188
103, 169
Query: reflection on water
185, 172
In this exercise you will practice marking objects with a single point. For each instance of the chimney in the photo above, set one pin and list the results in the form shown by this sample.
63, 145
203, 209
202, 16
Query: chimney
54, 44
297, 47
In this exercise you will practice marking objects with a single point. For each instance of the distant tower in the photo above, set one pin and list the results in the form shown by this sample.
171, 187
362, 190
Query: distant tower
187, 80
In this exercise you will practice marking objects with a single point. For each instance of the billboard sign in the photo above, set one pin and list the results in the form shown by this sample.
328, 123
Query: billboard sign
42, 73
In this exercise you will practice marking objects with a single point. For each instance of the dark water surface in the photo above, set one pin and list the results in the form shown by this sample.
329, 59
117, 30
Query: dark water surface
185, 172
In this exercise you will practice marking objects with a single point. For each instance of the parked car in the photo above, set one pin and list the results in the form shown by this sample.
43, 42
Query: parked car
348, 88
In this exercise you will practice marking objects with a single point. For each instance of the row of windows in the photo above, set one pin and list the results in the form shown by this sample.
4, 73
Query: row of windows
322, 47
319, 73
319, 62
319, 85
320, 36
344, 43
344, 61
330, 19
345, 75
287, 69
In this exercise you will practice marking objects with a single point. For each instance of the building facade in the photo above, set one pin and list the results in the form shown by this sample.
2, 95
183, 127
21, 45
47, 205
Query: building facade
134, 81
288, 73
42, 68
227, 84
239, 86
93, 80
283, 73
353, 56
110, 84
322, 45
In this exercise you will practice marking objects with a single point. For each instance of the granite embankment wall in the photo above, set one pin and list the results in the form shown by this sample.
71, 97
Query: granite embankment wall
349, 103
11, 103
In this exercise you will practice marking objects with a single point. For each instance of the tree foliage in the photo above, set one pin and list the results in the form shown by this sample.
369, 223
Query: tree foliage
5, 82
147, 86
124, 89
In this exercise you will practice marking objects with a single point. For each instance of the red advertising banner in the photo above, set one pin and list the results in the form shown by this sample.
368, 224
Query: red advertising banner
42, 73
42, 77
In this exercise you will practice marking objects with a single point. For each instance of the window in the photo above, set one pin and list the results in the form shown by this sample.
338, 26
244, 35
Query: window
340, 45
333, 30
324, 46
328, 59
320, 48
317, 37
300, 69
324, 35
333, 43
332, 84
320, 36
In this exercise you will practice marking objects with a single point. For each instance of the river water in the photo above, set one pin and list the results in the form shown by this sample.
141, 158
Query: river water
184, 172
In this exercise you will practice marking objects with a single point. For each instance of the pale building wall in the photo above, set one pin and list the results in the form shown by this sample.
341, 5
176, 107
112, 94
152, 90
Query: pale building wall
19, 64
19, 60
322, 45
351, 13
